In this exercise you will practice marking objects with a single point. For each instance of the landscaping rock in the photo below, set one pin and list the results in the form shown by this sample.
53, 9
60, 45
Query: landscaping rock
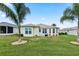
75, 43
18, 42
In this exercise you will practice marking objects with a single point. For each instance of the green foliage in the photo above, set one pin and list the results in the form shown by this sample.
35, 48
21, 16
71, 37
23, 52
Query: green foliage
18, 17
21, 11
71, 14
9, 12
18, 35
63, 33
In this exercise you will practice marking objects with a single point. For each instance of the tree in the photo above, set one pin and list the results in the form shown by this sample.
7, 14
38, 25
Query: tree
71, 14
16, 16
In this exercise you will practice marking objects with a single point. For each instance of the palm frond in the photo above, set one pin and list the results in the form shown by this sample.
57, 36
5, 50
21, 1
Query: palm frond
68, 15
66, 18
76, 8
68, 12
21, 10
9, 12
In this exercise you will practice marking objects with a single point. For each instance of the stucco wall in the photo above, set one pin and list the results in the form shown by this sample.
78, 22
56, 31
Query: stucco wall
23, 32
36, 31
72, 32
15, 30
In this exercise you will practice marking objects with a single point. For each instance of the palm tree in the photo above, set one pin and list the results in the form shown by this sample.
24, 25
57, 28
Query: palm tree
71, 14
16, 16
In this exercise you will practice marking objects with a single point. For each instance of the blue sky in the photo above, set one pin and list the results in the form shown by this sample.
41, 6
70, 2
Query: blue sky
45, 13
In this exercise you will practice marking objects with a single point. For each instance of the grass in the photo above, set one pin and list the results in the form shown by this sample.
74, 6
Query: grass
40, 46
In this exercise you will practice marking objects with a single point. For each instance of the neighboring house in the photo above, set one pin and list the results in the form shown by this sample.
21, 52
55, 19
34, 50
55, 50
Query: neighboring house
29, 29
7, 29
69, 31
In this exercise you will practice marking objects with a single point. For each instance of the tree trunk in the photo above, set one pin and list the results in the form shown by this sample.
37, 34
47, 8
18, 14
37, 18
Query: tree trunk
78, 31
19, 32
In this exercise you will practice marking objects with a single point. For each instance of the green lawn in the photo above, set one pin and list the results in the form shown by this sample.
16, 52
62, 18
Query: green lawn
40, 46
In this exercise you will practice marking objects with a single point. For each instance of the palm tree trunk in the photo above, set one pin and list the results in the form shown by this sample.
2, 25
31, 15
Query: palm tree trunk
78, 31
19, 32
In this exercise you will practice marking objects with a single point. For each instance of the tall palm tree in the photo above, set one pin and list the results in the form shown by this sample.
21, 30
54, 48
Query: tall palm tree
71, 14
16, 16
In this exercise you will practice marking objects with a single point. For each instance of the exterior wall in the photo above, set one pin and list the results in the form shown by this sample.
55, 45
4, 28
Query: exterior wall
7, 34
56, 32
43, 34
72, 32
15, 30
40, 33
35, 31
23, 32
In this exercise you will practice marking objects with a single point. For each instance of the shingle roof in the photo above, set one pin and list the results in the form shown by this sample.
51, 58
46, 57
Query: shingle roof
40, 25
31, 25
7, 24
43, 26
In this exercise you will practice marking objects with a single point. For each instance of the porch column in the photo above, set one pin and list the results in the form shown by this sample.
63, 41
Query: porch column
51, 32
41, 30
0, 29
6, 29
55, 31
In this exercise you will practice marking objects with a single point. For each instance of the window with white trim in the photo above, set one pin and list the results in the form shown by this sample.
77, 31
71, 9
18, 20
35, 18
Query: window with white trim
28, 30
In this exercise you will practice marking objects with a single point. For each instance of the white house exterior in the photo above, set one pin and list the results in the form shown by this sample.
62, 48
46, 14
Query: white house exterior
7, 29
29, 29
39, 30
70, 31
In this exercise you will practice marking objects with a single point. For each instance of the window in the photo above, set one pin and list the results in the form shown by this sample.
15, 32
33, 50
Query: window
0, 29
44, 30
3, 29
28, 30
53, 30
10, 29
39, 30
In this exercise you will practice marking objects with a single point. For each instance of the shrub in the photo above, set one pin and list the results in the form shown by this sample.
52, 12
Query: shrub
63, 33
18, 35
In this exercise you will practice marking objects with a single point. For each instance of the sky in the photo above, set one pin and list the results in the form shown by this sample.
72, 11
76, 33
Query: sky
44, 13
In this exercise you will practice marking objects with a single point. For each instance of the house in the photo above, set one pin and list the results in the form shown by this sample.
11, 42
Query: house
69, 31
29, 29
7, 28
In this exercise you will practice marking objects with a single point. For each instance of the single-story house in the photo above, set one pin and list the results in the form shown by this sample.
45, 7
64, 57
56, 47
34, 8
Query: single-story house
7, 28
29, 29
69, 31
